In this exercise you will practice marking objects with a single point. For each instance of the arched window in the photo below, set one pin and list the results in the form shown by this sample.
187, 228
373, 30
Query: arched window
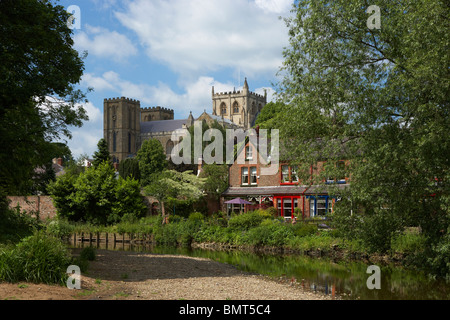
223, 108
169, 148
235, 107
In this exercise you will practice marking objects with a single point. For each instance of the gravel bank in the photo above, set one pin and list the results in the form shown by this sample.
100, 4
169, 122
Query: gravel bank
126, 275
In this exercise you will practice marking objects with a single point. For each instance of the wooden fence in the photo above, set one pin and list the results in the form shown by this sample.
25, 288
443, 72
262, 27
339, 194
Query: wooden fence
106, 239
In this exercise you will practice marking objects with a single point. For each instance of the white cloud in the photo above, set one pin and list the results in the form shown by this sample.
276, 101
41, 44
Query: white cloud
275, 6
103, 43
196, 96
194, 37
85, 139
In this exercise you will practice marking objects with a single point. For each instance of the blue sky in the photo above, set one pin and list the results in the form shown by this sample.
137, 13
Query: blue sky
170, 53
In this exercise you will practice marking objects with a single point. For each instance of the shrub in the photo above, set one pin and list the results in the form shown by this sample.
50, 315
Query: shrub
269, 234
196, 216
60, 228
304, 229
88, 253
16, 224
248, 220
39, 259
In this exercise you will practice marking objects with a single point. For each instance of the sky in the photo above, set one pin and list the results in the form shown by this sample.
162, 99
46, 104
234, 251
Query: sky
170, 53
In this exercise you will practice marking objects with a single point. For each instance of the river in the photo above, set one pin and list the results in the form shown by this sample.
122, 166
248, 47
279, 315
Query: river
339, 279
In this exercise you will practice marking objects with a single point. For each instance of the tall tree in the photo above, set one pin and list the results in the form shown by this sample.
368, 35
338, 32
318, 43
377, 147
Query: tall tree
102, 154
130, 168
171, 184
152, 159
38, 101
377, 96
216, 179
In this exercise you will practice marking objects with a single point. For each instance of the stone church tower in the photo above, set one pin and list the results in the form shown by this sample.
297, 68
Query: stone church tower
241, 107
121, 126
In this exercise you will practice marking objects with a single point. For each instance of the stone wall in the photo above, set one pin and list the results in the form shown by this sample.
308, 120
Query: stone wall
33, 204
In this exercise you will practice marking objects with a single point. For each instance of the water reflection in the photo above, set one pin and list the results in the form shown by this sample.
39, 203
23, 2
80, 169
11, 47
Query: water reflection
343, 279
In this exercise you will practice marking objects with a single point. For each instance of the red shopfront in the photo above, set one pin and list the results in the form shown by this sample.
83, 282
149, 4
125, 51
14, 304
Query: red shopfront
286, 205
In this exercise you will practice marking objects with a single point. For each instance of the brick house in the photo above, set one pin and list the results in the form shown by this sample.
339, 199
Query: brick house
281, 189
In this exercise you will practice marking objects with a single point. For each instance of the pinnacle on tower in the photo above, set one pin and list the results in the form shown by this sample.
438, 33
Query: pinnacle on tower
245, 84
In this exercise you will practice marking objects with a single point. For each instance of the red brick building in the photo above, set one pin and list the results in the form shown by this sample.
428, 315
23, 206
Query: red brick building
281, 190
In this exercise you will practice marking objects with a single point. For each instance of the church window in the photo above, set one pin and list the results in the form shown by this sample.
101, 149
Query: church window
114, 142
235, 107
223, 108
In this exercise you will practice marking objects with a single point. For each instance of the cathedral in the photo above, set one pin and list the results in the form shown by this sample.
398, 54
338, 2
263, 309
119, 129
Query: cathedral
126, 125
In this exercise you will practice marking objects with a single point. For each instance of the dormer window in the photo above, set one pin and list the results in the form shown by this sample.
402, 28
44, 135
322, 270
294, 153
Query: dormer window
248, 153
289, 174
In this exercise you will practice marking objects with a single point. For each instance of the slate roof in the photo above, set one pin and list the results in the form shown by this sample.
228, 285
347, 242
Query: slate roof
263, 191
277, 190
162, 125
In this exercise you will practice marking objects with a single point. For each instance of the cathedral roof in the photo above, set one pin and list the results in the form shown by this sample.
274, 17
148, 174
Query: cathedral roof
162, 125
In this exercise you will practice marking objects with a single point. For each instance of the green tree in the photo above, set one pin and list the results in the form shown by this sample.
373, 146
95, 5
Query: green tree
129, 204
38, 102
267, 118
216, 179
102, 154
152, 159
129, 168
94, 195
378, 97
171, 184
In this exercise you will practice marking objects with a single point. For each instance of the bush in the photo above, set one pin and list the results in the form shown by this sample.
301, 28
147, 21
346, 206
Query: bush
96, 196
196, 216
38, 259
16, 224
269, 234
60, 228
304, 229
248, 220
88, 253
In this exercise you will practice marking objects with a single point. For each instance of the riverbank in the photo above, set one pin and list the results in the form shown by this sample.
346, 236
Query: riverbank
125, 275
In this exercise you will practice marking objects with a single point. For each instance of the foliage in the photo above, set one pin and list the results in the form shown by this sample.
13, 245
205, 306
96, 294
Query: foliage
94, 194
38, 259
267, 118
16, 224
248, 220
152, 160
130, 168
102, 154
88, 253
38, 101
208, 145
378, 97
216, 176
128, 204
60, 228
171, 184
97, 197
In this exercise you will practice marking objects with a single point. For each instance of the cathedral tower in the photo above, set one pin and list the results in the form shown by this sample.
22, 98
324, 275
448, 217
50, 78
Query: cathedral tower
241, 107
122, 126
